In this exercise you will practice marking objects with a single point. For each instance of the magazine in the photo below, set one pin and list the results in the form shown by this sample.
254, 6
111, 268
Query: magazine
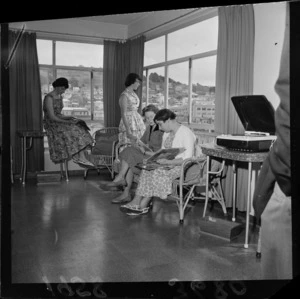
82, 124
165, 153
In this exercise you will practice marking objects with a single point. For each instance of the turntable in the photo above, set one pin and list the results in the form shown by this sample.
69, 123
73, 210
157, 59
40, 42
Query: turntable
257, 116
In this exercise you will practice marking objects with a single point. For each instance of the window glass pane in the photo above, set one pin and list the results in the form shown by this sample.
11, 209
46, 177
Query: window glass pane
44, 50
46, 77
79, 54
144, 95
154, 51
194, 39
179, 90
203, 103
98, 99
77, 97
157, 87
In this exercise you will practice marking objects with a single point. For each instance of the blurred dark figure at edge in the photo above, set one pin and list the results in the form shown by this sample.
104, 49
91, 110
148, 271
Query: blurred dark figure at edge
272, 195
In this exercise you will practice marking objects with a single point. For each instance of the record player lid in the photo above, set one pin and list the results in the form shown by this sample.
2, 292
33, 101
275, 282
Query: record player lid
255, 112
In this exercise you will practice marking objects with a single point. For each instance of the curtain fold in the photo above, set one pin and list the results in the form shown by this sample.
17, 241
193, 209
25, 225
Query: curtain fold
234, 76
120, 59
25, 100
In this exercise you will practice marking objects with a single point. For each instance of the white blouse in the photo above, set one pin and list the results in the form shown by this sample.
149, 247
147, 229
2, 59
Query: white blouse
184, 137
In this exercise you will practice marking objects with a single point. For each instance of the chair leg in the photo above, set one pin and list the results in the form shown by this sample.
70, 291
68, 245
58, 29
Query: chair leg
11, 166
86, 170
61, 170
258, 250
66, 170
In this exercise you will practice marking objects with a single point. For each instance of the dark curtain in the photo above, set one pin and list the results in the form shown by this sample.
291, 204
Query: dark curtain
120, 59
234, 76
25, 100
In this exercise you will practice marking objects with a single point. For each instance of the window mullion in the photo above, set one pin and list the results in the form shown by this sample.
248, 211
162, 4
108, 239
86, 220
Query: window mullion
166, 73
190, 91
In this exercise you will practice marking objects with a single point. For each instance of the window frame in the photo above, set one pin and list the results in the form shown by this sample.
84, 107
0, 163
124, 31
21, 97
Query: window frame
167, 63
54, 67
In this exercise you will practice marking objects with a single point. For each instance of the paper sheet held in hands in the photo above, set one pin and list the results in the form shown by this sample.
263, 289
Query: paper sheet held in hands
166, 153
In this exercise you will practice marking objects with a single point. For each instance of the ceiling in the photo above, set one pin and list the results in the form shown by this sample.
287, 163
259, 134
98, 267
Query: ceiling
122, 19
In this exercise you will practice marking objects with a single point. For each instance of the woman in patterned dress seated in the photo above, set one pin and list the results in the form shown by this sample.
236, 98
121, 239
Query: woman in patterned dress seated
67, 139
132, 155
158, 182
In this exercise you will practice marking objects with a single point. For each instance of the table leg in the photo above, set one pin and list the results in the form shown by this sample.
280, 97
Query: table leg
22, 158
234, 190
207, 182
248, 203
24, 155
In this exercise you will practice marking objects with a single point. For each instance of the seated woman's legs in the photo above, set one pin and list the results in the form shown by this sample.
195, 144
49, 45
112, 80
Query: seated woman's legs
143, 193
119, 180
123, 171
125, 196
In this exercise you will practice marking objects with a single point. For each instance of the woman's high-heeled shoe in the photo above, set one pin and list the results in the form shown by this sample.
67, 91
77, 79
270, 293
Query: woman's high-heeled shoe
136, 209
122, 182
141, 211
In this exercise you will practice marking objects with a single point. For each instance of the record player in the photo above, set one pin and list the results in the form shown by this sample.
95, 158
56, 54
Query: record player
257, 116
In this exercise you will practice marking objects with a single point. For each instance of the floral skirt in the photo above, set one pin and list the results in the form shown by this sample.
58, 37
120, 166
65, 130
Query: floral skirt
157, 182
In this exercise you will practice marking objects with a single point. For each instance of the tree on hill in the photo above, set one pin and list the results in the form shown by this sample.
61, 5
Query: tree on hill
74, 82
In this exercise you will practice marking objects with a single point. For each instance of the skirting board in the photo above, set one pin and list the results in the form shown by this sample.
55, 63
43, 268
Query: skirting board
221, 228
47, 177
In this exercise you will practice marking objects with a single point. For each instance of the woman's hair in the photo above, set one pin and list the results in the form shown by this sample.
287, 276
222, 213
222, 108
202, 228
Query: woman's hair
164, 114
61, 82
150, 107
130, 79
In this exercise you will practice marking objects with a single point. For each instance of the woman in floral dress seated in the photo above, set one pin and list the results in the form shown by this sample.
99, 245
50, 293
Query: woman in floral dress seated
67, 138
158, 182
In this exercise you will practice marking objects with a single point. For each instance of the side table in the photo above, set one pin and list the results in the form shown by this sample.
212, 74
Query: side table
26, 140
211, 149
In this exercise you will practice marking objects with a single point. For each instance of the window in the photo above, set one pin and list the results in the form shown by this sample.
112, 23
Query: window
154, 51
44, 49
198, 38
179, 90
156, 91
79, 54
181, 67
82, 65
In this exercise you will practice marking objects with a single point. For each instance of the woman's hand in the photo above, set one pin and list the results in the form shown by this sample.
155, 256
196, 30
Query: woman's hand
131, 137
164, 161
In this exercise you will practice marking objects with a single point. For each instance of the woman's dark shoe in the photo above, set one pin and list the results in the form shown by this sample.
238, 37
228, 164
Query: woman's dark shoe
83, 163
121, 183
104, 186
123, 200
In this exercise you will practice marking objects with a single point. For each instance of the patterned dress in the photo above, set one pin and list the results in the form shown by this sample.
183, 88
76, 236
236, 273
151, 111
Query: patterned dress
64, 139
158, 182
134, 119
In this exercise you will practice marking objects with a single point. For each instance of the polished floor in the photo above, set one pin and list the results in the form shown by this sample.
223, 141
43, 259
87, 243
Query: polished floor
70, 231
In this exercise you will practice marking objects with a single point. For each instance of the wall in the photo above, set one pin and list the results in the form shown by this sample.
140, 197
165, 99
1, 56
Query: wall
269, 32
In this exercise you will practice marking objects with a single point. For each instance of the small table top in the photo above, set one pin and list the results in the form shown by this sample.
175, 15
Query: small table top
211, 149
30, 133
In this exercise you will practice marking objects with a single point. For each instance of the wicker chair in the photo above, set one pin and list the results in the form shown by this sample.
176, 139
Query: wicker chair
102, 153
